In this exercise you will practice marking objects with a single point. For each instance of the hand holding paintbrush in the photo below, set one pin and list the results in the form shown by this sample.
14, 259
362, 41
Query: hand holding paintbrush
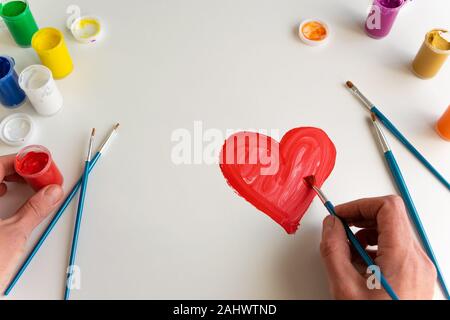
311, 182
385, 232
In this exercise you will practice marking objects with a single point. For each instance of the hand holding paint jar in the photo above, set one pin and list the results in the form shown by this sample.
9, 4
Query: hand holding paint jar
382, 17
36, 165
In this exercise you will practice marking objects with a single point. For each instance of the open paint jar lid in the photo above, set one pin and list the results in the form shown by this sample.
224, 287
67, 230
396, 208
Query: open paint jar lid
314, 32
86, 29
16, 129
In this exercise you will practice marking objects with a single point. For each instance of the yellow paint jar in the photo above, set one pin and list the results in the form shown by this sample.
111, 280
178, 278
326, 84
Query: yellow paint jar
432, 55
51, 48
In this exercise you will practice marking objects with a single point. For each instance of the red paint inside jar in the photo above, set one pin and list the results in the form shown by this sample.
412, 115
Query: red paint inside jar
38, 169
33, 162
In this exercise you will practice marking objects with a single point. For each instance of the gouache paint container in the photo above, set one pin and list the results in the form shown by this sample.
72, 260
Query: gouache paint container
443, 125
314, 32
51, 48
38, 83
382, 17
11, 95
19, 20
433, 54
36, 165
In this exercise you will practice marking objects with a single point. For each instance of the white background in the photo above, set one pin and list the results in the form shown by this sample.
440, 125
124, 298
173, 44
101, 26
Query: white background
152, 229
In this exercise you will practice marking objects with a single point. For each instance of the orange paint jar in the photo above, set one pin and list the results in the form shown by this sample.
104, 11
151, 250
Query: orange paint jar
313, 32
443, 125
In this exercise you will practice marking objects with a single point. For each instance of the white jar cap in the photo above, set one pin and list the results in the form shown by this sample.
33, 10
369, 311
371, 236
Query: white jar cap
17, 129
87, 29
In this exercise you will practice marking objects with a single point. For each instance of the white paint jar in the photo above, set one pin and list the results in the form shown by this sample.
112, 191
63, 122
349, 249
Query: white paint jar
40, 87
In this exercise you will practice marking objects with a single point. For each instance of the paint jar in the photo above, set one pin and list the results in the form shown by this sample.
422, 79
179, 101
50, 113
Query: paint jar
382, 17
432, 55
51, 48
314, 32
11, 95
19, 20
443, 125
36, 166
38, 83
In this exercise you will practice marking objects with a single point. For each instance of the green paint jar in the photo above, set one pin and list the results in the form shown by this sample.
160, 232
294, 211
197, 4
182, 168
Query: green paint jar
19, 20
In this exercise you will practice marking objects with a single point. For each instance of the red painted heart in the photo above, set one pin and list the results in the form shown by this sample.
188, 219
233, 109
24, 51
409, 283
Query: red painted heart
270, 175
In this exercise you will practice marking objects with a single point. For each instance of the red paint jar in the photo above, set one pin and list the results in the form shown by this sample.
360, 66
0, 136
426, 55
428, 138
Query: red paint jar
35, 164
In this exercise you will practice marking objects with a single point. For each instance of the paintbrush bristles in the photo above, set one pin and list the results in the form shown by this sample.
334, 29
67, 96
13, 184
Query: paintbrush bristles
350, 84
93, 132
373, 116
310, 181
117, 126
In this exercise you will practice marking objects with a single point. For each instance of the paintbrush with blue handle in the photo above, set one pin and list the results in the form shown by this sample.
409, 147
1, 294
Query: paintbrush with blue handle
76, 231
390, 126
411, 208
311, 182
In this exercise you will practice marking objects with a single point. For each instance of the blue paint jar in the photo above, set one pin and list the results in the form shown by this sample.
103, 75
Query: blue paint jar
11, 95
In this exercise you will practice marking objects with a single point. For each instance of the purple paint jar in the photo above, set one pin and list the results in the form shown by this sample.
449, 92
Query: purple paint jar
382, 16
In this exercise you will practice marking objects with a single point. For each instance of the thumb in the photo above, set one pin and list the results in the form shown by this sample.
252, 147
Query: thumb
344, 279
38, 207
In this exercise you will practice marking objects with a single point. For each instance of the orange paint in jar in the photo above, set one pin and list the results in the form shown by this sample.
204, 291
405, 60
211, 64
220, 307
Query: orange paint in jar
36, 166
314, 31
443, 125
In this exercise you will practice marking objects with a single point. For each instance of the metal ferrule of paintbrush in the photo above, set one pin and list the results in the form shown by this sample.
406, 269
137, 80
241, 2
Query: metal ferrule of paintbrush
380, 134
369, 105
108, 140
91, 143
321, 194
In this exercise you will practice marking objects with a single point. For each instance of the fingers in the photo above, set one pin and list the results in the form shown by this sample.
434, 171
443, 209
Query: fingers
394, 230
8, 173
386, 214
367, 237
345, 281
362, 213
3, 189
14, 178
38, 207
7, 166
11, 178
